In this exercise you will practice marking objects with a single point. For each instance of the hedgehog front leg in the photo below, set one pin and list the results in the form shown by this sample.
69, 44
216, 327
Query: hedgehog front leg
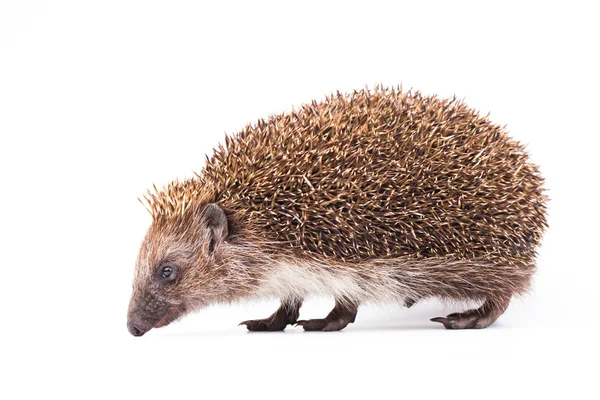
286, 314
482, 317
342, 314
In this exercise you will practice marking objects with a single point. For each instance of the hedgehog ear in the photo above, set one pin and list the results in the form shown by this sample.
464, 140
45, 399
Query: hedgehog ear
216, 221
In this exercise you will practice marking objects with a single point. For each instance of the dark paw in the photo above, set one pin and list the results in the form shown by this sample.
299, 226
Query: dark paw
466, 320
264, 325
312, 324
323, 324
482, 317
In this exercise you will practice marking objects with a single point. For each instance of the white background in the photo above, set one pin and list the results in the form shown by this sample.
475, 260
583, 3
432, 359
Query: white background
99, 100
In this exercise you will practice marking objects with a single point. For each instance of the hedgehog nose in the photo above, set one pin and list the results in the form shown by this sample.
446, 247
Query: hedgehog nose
134, 329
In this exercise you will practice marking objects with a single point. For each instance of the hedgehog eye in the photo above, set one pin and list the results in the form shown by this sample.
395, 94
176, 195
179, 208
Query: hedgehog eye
166, 272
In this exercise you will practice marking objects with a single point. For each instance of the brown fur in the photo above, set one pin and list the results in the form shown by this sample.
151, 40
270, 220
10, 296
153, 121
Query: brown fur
391, 189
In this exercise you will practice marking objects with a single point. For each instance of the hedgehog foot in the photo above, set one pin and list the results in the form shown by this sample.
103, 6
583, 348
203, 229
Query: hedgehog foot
286, 314
342, 314
480, 318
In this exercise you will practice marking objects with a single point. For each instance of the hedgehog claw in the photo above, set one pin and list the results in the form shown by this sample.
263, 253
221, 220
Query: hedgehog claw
439, 319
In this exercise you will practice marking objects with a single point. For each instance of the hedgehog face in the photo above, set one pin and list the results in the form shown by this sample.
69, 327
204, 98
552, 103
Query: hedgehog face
177, 268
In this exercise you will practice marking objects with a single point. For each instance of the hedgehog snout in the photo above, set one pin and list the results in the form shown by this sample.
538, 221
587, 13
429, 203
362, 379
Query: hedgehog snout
136, 329
143, 313
137, 325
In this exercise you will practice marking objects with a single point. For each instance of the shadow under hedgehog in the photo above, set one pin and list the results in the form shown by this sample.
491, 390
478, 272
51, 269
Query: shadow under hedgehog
376, 196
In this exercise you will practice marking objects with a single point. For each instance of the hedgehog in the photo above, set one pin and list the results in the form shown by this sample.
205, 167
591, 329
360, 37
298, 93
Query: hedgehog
377, 196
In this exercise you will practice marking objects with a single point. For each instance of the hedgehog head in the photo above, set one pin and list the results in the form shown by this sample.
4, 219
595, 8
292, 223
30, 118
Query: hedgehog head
179, 265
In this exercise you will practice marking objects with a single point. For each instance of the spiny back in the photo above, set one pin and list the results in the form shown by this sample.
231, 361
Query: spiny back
378, 174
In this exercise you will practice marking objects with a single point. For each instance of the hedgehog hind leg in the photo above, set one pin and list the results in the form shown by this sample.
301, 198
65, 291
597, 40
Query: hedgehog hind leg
479, 318
342, 314
286, 314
